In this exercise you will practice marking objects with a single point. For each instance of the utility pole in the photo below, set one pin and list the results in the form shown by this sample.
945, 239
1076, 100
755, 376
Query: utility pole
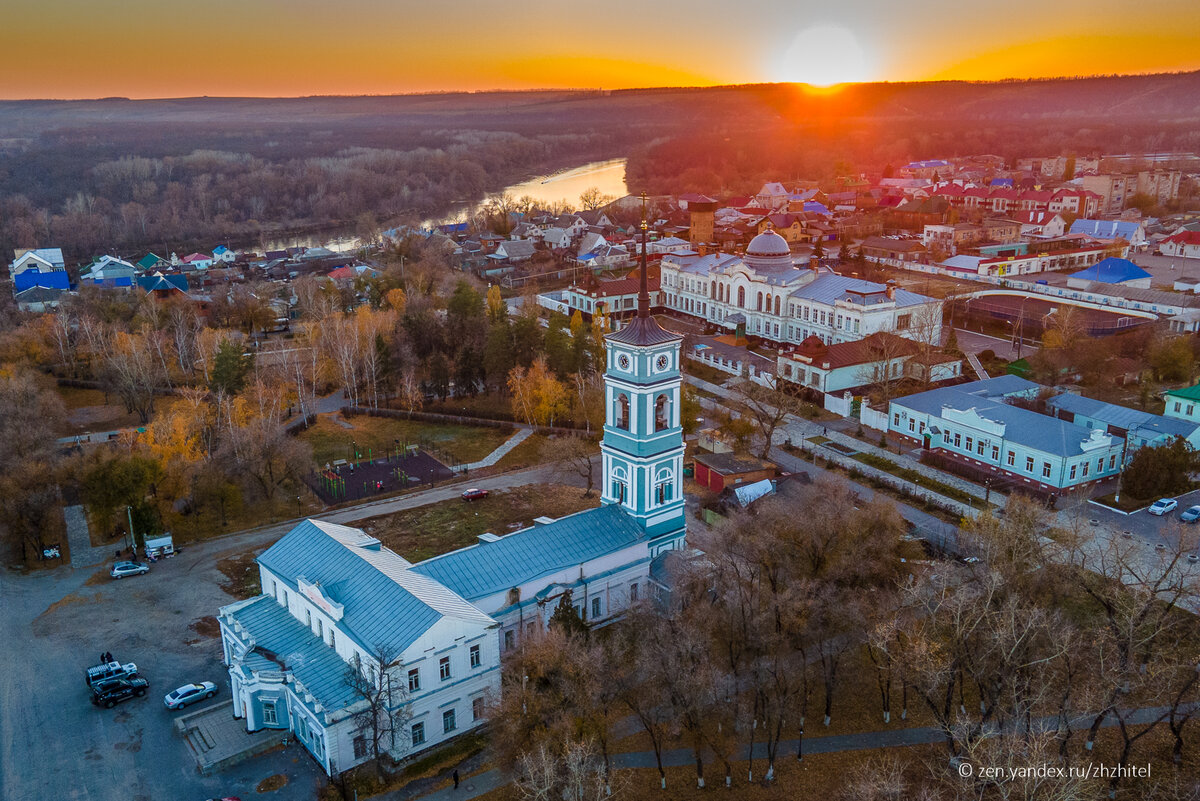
132, 538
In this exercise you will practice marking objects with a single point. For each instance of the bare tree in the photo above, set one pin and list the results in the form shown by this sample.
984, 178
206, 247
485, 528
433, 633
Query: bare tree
381, 708
575, 455
767, 407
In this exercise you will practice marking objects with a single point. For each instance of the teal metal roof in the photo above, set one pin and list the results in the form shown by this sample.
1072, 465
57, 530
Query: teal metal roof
487, 568
376, 609
293, 646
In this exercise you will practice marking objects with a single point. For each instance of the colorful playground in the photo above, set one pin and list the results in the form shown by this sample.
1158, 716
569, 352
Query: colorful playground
400, 469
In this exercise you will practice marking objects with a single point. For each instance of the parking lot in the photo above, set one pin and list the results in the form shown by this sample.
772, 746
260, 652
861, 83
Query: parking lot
1145, 527
55, 745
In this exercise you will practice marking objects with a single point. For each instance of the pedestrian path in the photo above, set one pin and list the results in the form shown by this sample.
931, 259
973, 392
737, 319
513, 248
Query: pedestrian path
83, 554
475, 786
498, 454
976, 365
799, 428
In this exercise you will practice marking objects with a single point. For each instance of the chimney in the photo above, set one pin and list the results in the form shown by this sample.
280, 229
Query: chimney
814, 264
890, 289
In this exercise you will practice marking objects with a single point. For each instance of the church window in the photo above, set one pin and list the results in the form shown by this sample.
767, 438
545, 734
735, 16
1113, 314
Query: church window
621, 412
742, 297
663, 486
633, 592
662, 413
777, 302
595, 608
760, 301
712, 292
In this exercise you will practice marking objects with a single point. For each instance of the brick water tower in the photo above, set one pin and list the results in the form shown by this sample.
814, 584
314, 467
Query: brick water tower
701, 224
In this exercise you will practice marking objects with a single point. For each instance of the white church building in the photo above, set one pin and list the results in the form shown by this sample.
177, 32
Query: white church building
332, 594
778, 301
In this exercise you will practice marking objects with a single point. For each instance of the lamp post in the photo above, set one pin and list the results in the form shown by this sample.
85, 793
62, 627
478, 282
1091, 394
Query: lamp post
132, 538
298, 509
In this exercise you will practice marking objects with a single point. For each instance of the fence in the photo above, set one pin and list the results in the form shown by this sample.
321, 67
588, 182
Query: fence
435, 417
839, 404
872, 418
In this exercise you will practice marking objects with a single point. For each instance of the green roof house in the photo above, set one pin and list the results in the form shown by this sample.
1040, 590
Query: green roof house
1184, 404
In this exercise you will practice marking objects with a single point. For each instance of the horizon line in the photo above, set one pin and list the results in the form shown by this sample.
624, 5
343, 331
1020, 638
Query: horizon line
600, 90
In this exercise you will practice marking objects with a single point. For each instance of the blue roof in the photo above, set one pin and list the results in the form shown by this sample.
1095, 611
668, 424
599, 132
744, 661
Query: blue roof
58, 279
376, 609
916, 165
283, 642
1001, 182
814, 206
487, 568
219, 249
1106, 229
1112, 271
1142, 424
1022, 426
152, 282
830, 287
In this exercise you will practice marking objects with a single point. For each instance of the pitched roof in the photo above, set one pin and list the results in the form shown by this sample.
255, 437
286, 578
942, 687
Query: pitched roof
733, 463
1187, 393
1112, 271
1184, 238
1143, 424
487, 568
1106, 229
382, 604
876, 347
56, 279
282, 641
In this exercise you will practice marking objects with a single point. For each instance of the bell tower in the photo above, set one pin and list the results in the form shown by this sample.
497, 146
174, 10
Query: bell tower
642, 447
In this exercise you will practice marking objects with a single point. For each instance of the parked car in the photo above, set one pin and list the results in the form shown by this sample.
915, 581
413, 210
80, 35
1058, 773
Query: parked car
1191, 514
123, 569
474, 494
1163, 505
189, 694
109, 670
111, 692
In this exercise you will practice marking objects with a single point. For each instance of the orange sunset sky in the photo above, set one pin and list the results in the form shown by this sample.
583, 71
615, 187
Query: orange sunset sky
165, 48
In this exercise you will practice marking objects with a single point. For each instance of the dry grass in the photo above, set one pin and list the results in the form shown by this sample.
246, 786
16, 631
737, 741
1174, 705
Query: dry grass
378, 435
241, 574
427, 531
526, 454
272, 783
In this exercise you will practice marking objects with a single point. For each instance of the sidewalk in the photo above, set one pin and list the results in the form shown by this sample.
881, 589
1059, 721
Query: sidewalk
498, 454
798, 427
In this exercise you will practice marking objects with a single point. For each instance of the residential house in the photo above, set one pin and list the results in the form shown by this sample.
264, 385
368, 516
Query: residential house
950, 238
194, 261
772, 196
1161, 185
1184, 404
881, 247
612, 295
44, 260
595, 218
223, 254
846, 365
1182, 244
108, 271
1040, 223
39, 299
151, 262
513, 251
557, 238
668, 244
1132, 232
972, 425
1001, 230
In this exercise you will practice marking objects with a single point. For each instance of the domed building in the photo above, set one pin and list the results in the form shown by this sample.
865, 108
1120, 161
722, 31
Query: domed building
785, 303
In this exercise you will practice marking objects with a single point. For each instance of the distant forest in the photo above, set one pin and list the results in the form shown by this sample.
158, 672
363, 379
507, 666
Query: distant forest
114, 174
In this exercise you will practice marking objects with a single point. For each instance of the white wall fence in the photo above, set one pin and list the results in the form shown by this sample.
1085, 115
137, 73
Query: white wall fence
872, 418
1091, 300
555, 302
839, 404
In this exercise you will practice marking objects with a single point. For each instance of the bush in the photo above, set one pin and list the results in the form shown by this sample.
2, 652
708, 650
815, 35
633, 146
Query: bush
987, 356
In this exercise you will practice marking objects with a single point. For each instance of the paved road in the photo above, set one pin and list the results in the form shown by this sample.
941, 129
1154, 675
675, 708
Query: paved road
975, 342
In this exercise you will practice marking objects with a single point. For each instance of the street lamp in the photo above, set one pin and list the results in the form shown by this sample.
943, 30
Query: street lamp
298, 510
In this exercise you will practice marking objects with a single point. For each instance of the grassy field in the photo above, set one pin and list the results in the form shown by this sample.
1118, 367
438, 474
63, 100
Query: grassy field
427, 531
331, 441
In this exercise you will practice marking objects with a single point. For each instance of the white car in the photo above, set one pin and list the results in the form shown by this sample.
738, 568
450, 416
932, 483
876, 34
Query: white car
189, 694
123, 569
1162, 506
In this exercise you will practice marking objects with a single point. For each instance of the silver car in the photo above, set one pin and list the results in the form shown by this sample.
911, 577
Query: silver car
1191, 514
123, 569
189, 694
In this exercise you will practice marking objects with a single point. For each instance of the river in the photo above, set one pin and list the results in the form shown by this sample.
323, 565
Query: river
564, 185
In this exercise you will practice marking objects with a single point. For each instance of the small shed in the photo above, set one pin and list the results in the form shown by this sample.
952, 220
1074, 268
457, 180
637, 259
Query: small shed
716, 471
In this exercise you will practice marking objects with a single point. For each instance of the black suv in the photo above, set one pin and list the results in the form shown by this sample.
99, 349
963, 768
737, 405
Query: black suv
113, 691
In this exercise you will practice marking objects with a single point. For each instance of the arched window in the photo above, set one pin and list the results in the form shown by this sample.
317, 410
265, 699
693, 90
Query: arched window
620, 480
759, 301
741, 297
664, 486
662, 413
712, 290
777, 301
621, 412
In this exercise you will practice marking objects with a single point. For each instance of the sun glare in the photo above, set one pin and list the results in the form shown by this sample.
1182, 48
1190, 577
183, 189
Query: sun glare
824, 55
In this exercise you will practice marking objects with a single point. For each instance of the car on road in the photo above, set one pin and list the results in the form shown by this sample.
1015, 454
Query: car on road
1162, 506
123, 569
109, 670
111, 692
1191, 514
189, 694
474, 494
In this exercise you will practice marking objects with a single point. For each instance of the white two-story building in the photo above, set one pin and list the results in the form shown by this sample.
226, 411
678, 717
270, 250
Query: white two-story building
775, 300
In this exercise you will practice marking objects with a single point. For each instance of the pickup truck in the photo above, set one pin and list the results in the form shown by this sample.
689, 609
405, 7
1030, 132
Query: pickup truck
111, 692
110, 670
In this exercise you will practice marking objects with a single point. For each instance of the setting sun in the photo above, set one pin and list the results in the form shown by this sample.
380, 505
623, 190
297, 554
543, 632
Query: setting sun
824, 55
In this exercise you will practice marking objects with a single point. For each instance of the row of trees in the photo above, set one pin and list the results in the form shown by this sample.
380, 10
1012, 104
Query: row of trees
1022, 658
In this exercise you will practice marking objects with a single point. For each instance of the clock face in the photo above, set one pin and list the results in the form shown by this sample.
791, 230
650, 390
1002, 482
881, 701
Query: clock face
662, 361
623, 361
